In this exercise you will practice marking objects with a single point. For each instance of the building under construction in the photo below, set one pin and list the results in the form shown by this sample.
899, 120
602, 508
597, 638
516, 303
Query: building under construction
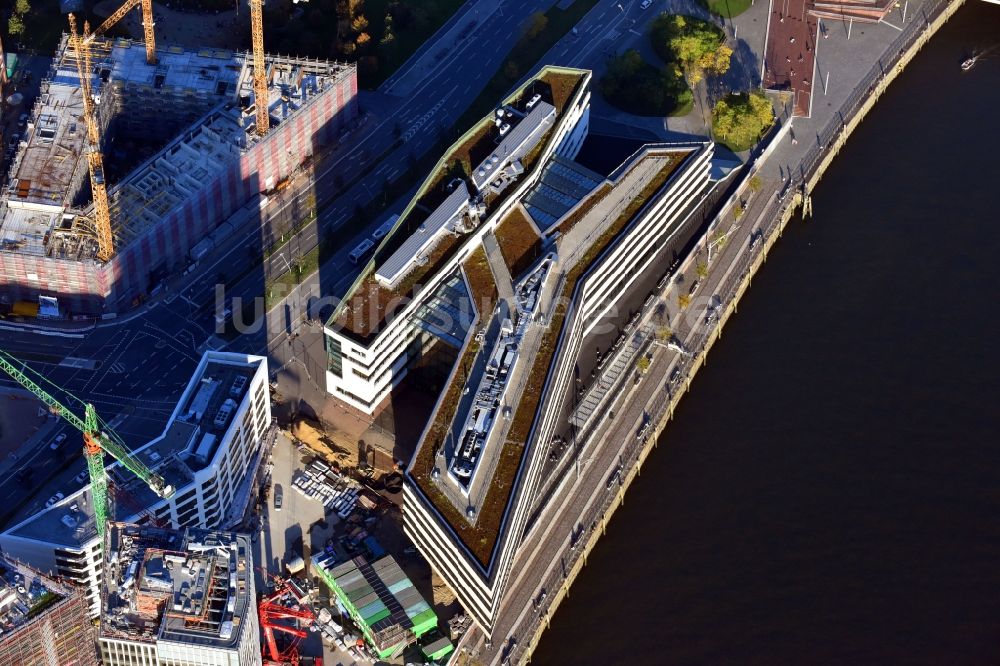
42, 621
196, 111
174, 596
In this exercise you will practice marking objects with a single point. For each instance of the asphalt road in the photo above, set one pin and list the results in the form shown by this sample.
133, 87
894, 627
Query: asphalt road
145, 358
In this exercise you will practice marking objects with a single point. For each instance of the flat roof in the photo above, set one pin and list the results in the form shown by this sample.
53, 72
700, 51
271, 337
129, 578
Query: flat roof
187, 586
189, 442
510, 369
51, 155
429, 232
364, 307
518, 140
206, 71
379, 592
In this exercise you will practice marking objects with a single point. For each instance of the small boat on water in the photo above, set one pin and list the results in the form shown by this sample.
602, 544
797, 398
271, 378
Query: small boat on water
969, 63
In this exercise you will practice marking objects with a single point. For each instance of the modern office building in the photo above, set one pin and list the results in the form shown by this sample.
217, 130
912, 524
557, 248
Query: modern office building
43, 622
210, 166
377, 332
519, 257
178, 598
210, 451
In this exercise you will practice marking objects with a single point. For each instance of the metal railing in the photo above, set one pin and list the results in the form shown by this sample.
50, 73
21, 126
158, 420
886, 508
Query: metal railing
775, 203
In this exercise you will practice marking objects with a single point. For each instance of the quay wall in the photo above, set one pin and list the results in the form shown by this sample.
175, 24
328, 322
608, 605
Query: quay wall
779, 208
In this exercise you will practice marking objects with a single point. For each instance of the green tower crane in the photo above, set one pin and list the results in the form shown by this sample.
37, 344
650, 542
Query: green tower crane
96, 442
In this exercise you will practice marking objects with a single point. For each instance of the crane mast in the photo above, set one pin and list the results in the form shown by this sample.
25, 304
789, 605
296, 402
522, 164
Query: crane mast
147, 25
259, 69
95, 160
95, 444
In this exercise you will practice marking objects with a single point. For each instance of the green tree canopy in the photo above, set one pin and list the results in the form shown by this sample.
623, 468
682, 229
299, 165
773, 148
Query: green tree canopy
697, 46
539, 21
634, 85
739, 120
15, 26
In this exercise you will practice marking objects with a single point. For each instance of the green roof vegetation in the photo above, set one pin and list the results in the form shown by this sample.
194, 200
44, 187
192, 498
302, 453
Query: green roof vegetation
482, 285
367, 303
481, 538
519, 243
46, 600
371, 303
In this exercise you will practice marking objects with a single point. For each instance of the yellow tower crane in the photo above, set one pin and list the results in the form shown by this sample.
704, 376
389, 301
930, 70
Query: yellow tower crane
147, 25
259, 69
95, 160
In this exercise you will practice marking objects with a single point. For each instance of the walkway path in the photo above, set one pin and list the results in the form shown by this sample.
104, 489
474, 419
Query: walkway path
499, 269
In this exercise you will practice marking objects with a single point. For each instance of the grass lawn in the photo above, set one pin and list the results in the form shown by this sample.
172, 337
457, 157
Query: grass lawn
727, 8
640, 88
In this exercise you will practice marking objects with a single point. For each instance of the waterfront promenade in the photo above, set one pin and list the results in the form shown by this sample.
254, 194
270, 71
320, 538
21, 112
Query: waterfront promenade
556, 548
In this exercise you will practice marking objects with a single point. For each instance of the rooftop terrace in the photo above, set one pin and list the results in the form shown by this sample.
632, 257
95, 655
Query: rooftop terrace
476, 514
484, 163
188, 586
25, 595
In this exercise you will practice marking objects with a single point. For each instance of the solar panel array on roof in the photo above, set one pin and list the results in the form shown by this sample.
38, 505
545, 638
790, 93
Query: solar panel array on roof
420, 240
521, 138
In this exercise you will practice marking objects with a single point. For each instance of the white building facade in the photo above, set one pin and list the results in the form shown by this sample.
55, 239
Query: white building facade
363, 375
211, 490
479, 588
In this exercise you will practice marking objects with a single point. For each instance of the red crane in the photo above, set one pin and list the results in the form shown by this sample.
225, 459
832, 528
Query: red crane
271, 609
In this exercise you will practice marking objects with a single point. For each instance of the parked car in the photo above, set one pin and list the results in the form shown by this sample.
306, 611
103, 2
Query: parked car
58, 441
277, 498
55, 498
645, 4
82, 477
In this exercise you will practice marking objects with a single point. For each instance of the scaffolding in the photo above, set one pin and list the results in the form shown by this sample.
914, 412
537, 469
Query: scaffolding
42, 616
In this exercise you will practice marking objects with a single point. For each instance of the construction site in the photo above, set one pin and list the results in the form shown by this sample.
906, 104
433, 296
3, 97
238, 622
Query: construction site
42, 621
135, 151
177, 595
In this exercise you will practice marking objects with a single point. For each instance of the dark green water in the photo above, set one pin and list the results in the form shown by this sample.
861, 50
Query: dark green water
829, 492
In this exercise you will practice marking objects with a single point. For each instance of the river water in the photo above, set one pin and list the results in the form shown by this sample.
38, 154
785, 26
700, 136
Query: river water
829, 491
